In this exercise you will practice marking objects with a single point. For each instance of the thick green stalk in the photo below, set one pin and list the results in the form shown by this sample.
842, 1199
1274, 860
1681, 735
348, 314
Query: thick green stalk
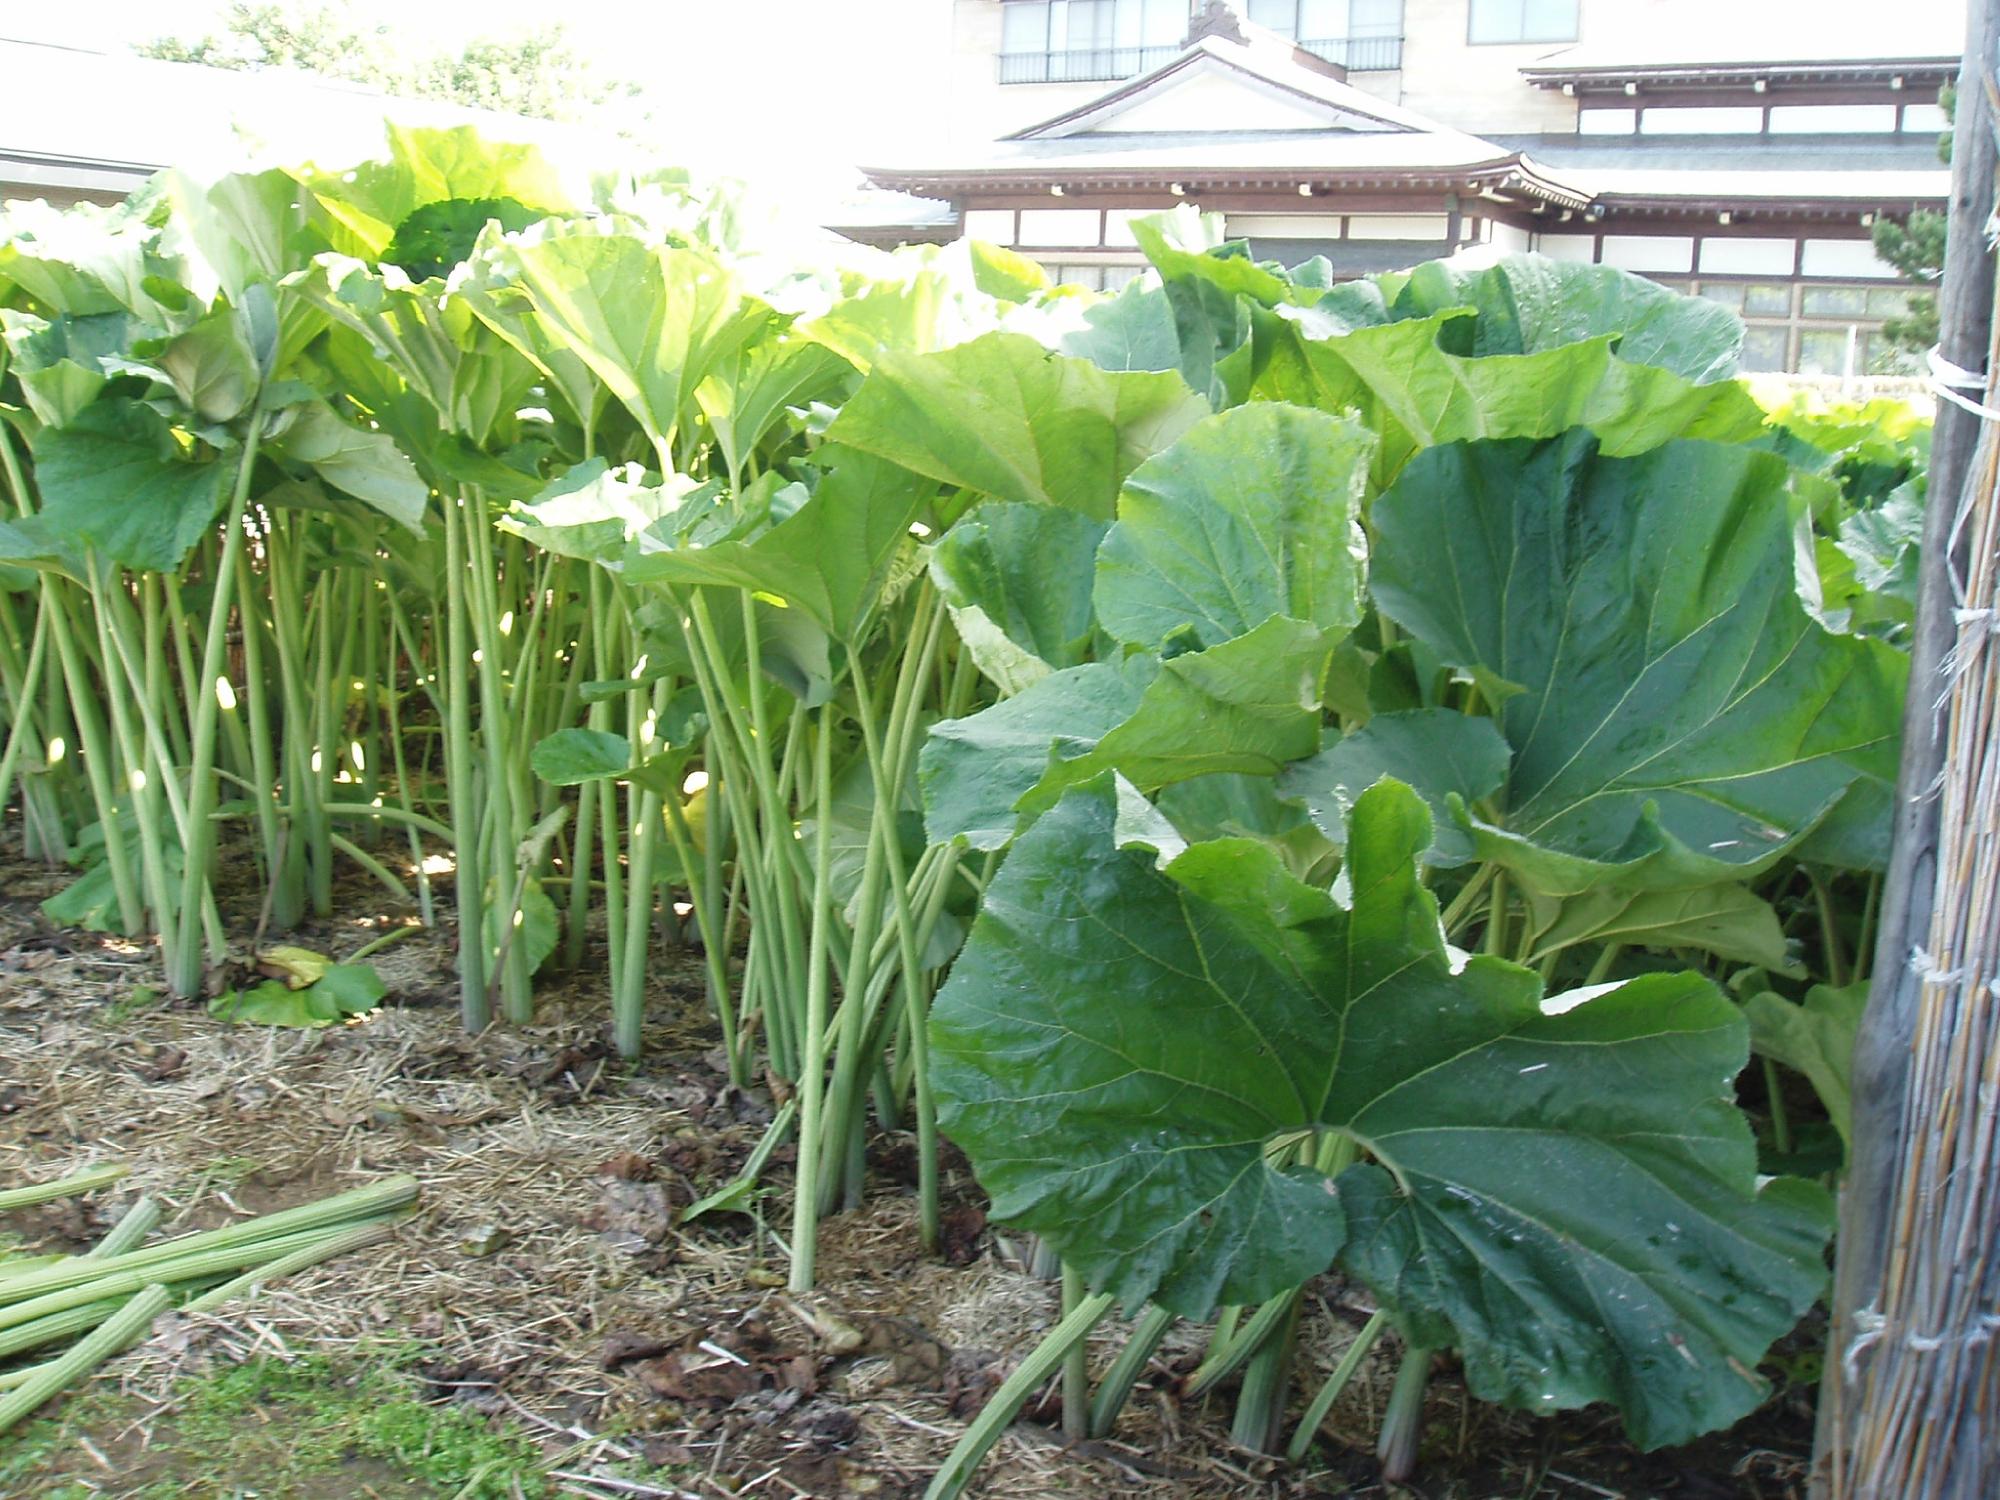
261, 734
87, 1181
1403, 1421
21, 698
709, 923
887, 802
1076, 1363
1260, 1405
118, 1332
999, 1412
1115, 1389
185, 976
98, 763
288, 884
132, 1227
143, 776
325, 746
1337, 1382
388, 1196
474, 1008
1231, 1346
812, 1070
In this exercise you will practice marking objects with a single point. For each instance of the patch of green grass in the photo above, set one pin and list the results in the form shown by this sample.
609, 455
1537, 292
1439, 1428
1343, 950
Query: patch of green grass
309, 1428
140, 999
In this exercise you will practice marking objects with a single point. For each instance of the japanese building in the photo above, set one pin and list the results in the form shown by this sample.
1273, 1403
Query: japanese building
1741, 153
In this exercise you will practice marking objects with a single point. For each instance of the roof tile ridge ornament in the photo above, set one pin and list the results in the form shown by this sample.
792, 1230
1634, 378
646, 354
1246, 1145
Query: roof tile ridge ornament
1224, 21
1217, 18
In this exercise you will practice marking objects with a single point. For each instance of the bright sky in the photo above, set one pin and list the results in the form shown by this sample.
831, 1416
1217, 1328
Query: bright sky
792, 88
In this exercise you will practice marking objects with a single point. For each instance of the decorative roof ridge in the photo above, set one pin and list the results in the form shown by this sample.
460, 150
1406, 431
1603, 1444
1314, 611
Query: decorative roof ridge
1260, 56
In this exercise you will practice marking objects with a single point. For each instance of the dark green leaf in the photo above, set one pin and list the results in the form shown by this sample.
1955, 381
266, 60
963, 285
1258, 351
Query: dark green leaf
1565, 1194
1255, 512
1675, 716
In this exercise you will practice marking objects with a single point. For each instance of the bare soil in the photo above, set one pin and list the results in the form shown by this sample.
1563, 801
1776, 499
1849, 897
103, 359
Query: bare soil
548, 1279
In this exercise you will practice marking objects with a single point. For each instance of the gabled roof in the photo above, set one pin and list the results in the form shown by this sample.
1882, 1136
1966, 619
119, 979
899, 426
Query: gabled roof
1331, 137
1260, 65
1331, 134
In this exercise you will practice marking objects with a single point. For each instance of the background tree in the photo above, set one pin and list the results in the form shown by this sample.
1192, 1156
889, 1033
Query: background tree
536, 74
1916, 248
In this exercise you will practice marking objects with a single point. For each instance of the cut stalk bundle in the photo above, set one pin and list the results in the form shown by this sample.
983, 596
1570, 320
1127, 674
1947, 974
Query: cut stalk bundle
86, 1297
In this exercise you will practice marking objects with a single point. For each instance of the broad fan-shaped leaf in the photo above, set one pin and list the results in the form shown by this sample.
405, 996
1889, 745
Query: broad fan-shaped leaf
367, 465
1436, 751
1017, 580
115, 479
831, 558
1411, 389
1131, 331
1723, 919
1253, 513
1816, 1039
1004, 417
432, 166
1569, 1198
1675, 716
594, 511
1528, 303
650, 322
1250, 705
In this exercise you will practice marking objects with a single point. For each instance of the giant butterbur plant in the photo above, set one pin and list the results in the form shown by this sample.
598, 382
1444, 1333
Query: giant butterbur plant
1262, 787
1385, 748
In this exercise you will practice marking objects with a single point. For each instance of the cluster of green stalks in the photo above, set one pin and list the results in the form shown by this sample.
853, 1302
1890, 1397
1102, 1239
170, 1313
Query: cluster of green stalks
98, 1304
314, 571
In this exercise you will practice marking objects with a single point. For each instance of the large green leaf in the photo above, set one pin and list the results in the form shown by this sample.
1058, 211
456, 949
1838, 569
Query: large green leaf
216, 367
594, 511
1816, 1039
1004, 417
831, 558
649, 321
1528, 303
1131, 331
1437, 752
1250, 705
1253, 513
64, 362
431, 166
752, 390
471, 380
1017, 580
1415, 393
115, 478
1723, 919
1213, 290
367, 465
1675, 716
1563, 1192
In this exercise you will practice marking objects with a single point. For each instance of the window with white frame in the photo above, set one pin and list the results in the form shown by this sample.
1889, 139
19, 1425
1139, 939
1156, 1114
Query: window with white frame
1077, 41
1361, 35
1521, 21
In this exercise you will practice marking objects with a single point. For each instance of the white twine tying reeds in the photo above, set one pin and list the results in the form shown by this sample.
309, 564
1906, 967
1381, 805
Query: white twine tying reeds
1924, 1359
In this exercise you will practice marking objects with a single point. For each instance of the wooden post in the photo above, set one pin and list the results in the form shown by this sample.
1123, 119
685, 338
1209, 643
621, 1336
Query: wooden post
1884, 1380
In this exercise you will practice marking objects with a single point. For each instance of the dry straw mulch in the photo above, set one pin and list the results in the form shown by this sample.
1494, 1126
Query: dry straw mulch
546, 1279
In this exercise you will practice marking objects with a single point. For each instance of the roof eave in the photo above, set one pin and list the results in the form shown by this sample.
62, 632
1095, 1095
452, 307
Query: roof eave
1507, 174
1708, 75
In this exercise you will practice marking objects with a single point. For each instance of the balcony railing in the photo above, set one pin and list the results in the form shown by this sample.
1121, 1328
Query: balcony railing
1083, 65
1359, 54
